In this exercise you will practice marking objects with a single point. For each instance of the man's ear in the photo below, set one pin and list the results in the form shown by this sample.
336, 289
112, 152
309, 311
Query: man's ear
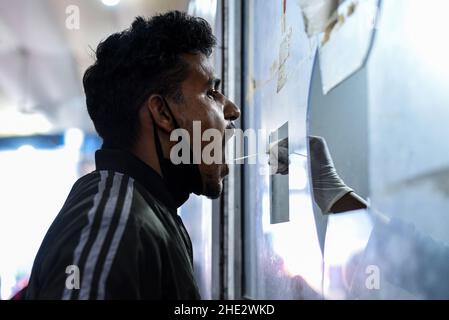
158, 111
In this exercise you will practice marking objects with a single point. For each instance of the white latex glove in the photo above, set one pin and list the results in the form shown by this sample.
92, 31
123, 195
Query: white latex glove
328, 187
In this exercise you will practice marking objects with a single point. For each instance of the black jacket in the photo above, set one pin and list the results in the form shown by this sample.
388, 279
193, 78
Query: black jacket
120, 234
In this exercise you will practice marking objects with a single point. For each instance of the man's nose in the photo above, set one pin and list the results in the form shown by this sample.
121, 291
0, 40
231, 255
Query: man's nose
231, 111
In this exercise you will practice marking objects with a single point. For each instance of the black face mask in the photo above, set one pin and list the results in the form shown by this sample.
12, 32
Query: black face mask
181, 179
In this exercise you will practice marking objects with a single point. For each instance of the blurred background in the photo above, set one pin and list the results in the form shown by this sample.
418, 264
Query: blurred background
47, 140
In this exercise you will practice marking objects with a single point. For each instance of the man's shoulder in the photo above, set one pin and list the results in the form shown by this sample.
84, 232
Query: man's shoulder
101, 184
113, 195
86, 185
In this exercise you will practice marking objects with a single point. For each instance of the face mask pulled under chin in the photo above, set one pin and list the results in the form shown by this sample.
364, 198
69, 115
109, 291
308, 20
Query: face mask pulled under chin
182, 179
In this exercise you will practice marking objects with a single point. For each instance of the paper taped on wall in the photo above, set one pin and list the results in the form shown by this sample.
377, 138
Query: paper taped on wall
318, 14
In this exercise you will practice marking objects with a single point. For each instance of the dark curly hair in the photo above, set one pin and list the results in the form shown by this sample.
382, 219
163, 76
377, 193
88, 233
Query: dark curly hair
137, 62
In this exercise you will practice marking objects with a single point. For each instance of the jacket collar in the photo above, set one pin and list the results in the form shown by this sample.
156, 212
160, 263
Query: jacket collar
127, 163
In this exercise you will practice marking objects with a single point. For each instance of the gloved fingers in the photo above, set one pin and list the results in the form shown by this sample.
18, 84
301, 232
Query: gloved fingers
321, 159
316, 142
282, 143
279, 162
319, 150
279, 157
328, 187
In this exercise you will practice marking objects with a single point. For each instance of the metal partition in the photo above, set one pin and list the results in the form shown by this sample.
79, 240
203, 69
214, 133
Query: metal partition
282, 256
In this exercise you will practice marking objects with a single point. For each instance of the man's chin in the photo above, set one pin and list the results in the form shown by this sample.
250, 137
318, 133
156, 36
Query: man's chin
213, 183
213, 191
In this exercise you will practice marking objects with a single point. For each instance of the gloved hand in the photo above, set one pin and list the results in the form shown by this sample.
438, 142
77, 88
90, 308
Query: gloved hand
278, 157
328, 187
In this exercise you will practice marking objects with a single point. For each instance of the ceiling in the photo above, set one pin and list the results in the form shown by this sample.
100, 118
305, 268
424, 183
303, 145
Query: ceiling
43, 56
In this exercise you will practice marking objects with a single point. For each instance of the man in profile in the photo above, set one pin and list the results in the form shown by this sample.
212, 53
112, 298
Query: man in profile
118, 235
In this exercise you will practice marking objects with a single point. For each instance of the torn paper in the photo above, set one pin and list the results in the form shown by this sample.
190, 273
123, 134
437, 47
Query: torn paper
345, 47
318, 14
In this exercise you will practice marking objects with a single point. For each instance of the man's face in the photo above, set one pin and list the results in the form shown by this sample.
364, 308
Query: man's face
203, 102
